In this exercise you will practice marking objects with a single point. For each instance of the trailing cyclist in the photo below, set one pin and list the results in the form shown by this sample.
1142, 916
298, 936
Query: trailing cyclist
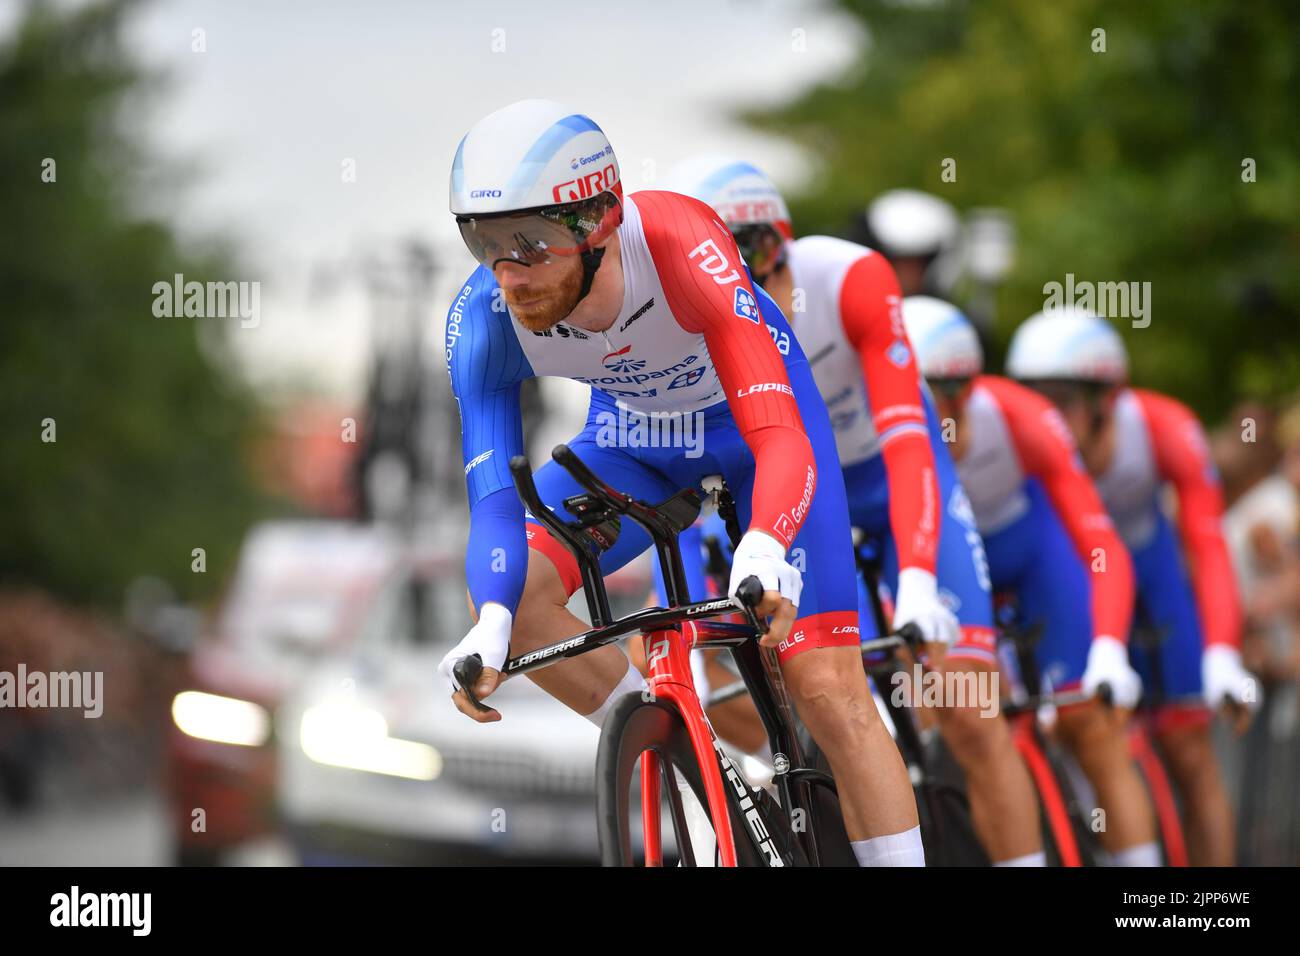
1136, 444
843, 302
1051, 545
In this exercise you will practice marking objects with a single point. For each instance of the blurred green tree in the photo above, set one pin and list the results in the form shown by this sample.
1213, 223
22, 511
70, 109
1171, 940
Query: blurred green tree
150, 457
1122, 165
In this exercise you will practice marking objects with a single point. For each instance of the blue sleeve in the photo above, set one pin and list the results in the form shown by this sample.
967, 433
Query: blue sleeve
486, 364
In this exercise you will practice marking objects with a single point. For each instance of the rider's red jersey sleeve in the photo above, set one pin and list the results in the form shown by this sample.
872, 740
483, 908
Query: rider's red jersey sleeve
1047, 452
870, 310
701, 273
1183, 459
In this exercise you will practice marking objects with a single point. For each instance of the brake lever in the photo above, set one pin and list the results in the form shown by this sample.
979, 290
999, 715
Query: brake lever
750, 594
1106, 694
467, 671
912, 636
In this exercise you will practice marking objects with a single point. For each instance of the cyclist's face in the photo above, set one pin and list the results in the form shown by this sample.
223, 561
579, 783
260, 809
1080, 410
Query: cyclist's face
911, 273
950, 396
1085, 408
540, 296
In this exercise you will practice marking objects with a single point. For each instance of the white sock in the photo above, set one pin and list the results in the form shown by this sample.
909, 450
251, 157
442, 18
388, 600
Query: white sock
1144, 854
1029, 859
892, 849
632, 683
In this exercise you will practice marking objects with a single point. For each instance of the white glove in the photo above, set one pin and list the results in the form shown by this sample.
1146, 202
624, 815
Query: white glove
1223, 676
489, 638
918, 603
763, 556
1108, 664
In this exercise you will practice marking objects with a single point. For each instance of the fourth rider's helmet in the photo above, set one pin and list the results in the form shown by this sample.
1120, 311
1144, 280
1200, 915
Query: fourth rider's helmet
748, 203
910, 224
535, 181
1069, 345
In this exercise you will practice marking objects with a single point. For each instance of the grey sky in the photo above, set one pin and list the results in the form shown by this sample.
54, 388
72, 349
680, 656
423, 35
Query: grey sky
287, 90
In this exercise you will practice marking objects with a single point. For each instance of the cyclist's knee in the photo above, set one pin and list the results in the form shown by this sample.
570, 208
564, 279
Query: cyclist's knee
968, 710
829, 688
1188, 752
544, 594
1093, 734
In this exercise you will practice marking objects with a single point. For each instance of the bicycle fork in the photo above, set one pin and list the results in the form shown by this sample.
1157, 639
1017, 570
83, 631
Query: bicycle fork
668, 658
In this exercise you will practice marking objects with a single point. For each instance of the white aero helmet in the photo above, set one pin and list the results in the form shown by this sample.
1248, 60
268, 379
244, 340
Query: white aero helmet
745, 199
531, 154
944, 340
907, 222
535, 181
1067, 344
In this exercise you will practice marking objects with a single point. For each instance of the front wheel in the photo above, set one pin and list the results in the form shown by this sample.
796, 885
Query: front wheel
633, 727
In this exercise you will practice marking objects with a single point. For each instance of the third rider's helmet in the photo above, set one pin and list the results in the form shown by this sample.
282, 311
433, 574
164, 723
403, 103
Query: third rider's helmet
748, 202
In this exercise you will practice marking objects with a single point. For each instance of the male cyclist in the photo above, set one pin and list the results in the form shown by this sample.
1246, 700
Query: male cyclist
918, 233
843, 302
1136, 444
1050, 544
645, 298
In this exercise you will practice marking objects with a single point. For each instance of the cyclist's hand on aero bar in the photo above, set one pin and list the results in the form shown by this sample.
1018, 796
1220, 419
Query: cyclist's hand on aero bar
918, 603
763, 556
490, 640
1108, 664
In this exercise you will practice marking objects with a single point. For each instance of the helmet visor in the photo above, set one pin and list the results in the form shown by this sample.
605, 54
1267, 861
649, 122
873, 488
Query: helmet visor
760, 245
1065, 393
537, 237
950, 389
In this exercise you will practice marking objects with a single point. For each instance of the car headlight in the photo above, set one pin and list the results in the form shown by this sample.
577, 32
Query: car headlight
356, 737
225, 720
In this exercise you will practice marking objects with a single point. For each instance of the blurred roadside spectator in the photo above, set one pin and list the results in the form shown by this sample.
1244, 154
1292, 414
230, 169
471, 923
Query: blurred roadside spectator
52, 755
1262, 526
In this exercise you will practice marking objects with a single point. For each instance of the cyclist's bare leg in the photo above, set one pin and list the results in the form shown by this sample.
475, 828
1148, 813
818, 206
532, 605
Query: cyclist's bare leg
1004, 810
1098, 738
583, 683
735, 721
829, 688
1208, 822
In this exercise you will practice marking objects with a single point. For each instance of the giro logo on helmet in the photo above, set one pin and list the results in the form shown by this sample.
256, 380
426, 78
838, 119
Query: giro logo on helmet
751, 210
584, 187
485, 194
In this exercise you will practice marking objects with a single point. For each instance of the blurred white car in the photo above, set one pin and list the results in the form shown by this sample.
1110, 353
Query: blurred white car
298, 591
377, 765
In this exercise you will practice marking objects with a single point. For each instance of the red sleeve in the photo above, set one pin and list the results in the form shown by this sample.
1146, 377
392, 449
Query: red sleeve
1047, 452
702, 278
1183, 459
870, 310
